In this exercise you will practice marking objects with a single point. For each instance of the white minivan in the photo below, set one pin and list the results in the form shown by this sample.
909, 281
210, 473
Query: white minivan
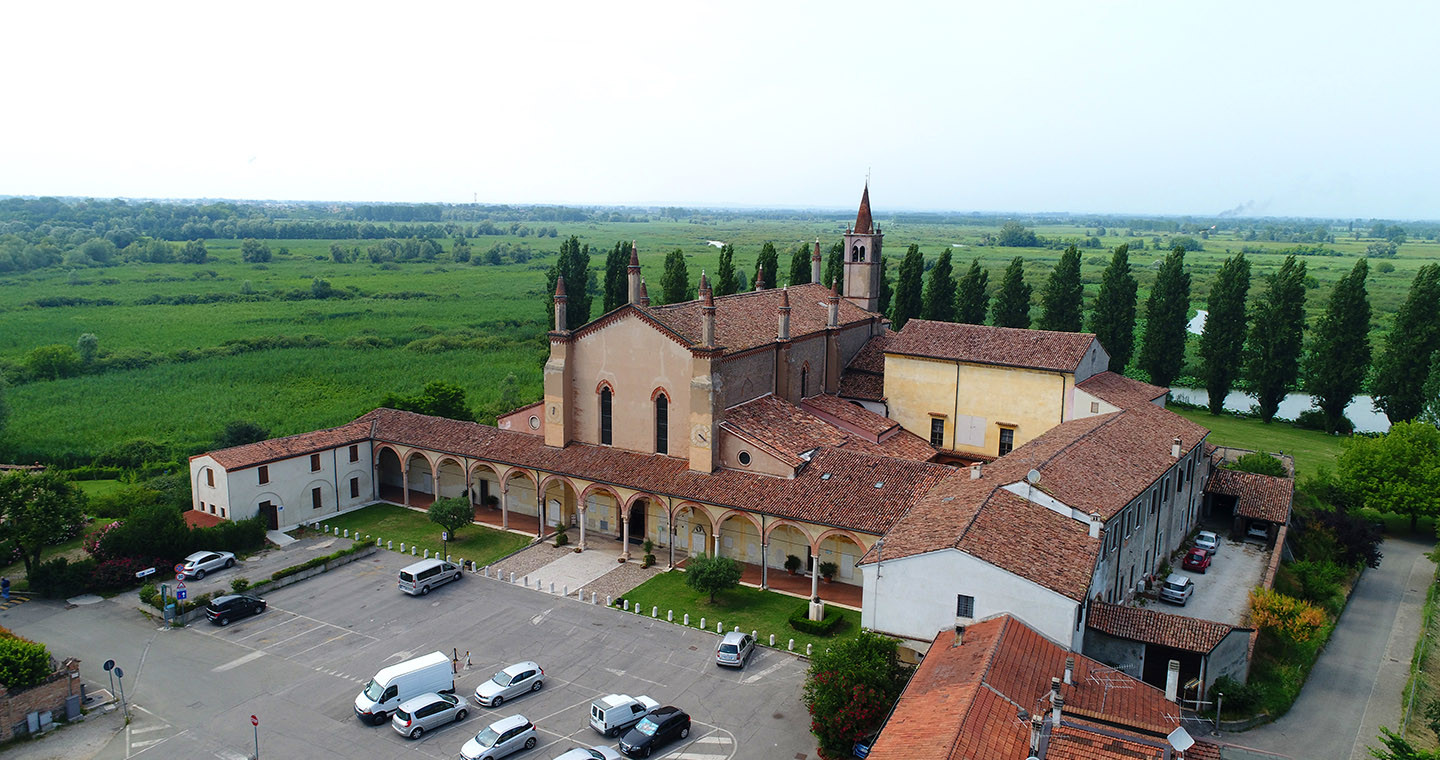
419, 578
404, 681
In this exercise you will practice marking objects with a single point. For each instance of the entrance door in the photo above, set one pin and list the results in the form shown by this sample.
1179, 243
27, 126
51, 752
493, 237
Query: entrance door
272, 515
637, 522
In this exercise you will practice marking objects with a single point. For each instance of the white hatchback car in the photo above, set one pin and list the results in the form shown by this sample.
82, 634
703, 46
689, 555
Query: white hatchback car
598, 752
1177, 589
198, 564
510, 683
501, 738
1208, 541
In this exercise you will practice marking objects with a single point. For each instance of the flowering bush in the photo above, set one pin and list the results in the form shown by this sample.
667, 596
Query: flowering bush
851, 687
93, 543
1294, 620
116, 574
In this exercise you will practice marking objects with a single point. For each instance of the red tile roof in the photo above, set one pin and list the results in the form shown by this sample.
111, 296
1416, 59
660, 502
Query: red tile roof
864, 377
197, 519
862, 218
962, 701
788, 431
747, 320
851, 416
982, 344
252, 454
1261, 497
1156, 627
1121, 390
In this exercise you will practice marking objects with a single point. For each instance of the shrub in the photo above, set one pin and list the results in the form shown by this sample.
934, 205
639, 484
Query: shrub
239, 584
316, 562
800, 621
711, 575
1259, 463
850, 689
23, 663
117, 574
561, 538
828, 570
118, 503
148, 593
1295, 621
60, 578
792, 563
1240, 699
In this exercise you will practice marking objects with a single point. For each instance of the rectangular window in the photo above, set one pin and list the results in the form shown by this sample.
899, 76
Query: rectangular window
202, 506
209, 477
264, 474
1179, 481
964, 606
1007, 440
355, 453
937, 431
314, 462
354, 488
315, 499
1094, 407
222, 511
212, 509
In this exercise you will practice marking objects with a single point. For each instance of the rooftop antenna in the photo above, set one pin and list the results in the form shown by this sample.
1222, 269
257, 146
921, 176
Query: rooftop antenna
1109, 678
1180, 739
1031, 478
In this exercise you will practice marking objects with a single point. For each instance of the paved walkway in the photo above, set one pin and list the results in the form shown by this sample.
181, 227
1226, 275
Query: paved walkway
1356, 685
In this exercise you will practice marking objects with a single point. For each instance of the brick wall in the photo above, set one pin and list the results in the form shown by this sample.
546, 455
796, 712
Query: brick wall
50, 695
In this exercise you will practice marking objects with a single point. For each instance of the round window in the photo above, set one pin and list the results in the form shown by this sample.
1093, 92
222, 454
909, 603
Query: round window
744, 458
534, 423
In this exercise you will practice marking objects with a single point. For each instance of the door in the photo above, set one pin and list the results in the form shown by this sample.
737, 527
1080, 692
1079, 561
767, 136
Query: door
637, 523
271, 514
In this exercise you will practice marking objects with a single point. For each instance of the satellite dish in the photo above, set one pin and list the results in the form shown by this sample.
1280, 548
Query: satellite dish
1032, 477
1180, 739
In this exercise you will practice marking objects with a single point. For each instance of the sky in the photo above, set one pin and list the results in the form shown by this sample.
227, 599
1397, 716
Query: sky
1152, 107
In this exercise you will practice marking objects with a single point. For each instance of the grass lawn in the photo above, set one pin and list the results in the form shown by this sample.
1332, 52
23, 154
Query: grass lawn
93, 488
71, 549
1312, 449
475, 543
750, 608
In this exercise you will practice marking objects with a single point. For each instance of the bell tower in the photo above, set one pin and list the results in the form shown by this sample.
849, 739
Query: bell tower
862, 258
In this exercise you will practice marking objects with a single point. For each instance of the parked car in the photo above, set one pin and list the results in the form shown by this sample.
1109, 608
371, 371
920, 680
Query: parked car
222, 609
1208, 541
591, 753
1177, 589
614, 714
503, 737
655, 730
427, 712
1258, 531
510, 683
419, 578
399, 683
1196, 559
198, 564
734, 649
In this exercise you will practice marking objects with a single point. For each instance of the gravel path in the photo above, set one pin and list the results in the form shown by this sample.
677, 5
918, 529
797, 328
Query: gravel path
527, 561
620, 580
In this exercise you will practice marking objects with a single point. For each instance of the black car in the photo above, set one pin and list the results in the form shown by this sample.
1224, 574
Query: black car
655, 730
223, 609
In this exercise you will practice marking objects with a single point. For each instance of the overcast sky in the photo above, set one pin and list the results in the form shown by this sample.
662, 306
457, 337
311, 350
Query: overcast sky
1293, 108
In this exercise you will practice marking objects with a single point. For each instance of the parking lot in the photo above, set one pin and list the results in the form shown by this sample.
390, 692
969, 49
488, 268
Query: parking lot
1222, 593
298, 667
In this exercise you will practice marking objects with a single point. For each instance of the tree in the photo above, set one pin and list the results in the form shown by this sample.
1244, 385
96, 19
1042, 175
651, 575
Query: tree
1064, 295
574, 264
908, 297
939, 302
1222, 340
971, 301
53, 362
1113, 320
675, 283
1340, 350
1014, 235
39, 509
799, 266
1398, 747
850, 688
1012, 302
617, 277
1404, 367
1430, 414
88, 347
194, 252
253, 251
241, 432
711, 575
769, 260
1398, 472
1162, 353
882, 304
437, 399
23, 663
835, 269
1260, 463
1277, 325
452, 514
725, 281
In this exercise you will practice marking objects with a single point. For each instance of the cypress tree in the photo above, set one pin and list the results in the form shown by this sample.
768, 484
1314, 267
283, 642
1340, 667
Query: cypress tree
574, 263
940, 291
675, 283
1162, 353
1012, 303
1222, 341
970, 300
1113, 320
883, 303
1277, 326
725, 282
1340, 348
1064, 295
908, 297
835, 269
770, 260
799, 266
1402, 370
617, 282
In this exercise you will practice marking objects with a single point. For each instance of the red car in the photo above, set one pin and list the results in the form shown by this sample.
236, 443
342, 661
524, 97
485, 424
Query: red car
1197, 560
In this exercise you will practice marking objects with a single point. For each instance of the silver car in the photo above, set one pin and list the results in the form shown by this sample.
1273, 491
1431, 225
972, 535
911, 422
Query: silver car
597, 752
198, 564
510, 683
501, 738
427, 712
734, 649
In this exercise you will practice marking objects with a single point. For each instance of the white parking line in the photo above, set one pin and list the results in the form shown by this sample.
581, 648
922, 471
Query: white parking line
238, 661
323, 643
763, 673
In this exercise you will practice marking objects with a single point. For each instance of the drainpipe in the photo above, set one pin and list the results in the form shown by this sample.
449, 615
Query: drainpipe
764, 542
670, 522
334, 478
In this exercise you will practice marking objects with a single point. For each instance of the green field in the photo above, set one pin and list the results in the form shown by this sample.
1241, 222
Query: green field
474, 543
1312, 449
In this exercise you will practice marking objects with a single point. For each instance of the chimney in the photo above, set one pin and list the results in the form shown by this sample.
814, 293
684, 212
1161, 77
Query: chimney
1037, 736
959, 633
784, 328
707, 313
759, 276
1054, 688
815, 273
644, 299
1095, 524
832, 319
1172, 681
633, 273
975, 471
1055, 712
1175, 449
1070, 670
560, 301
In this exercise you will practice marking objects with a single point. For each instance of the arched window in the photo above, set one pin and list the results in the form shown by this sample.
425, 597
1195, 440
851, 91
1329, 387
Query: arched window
605, 416
662, 424
857, 253
804, 381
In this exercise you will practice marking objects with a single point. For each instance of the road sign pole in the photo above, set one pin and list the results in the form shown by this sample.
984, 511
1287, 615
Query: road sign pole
255, 722
120, 678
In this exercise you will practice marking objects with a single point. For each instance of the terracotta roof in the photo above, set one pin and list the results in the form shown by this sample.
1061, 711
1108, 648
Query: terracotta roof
837, 487
864, 377
863, 386
871, 356
789, 431
1120, 390
1156, 627
197, 519
746, 320
851, 416
1261, 497
252, 454
962, 701
862, 218
983, 344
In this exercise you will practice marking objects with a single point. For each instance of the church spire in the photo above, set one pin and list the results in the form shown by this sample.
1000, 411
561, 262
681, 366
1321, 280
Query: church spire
632, 274
862, 219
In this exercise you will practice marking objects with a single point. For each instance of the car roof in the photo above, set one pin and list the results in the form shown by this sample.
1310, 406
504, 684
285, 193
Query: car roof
1197, 550
198, 555
505, 724
519, 667
420, 700
733, 637
1209, 534
1179, 580
666, 711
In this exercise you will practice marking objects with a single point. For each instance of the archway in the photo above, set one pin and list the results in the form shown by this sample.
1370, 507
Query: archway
559, 503
692, 530
786, 540
484, 487
843, 549
391, 476
519, 505
450, 479
739, 538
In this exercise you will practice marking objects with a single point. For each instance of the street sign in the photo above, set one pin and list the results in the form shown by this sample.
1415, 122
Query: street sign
179, 576
254, 721
180, 585
180, 593
180, 568
145, 572
444, 535
109, 665
119, 673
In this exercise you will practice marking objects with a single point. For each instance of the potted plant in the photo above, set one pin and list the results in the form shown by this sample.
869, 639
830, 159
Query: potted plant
792, 564
649, 547
561, 538
828, 570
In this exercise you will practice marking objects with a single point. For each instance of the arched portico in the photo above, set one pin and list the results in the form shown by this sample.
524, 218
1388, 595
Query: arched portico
419, 480
519, 497
450, 479
691, 529
739, 537
600, 512
391, 474
559, 502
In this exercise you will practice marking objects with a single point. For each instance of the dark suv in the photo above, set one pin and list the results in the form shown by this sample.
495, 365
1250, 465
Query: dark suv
655, 730
223, 609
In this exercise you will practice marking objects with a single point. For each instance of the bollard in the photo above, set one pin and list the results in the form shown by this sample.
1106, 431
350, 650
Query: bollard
792, 645
687, 620
347, 532
427, 554
592, 597
378, 541
755, 635
670, 616
552, 587
402, 547
627, 605
807, 649
719, 627
512, 576
702, 623
525, 581
412, 550
539, 585
607, 601
325, 528
772, 640
448, 558
390, 545
654, 612
565, 590
737, 629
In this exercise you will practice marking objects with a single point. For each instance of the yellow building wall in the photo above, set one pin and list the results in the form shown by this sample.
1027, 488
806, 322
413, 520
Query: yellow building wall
635, 359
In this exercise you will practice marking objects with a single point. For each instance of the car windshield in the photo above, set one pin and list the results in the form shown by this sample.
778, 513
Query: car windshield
647, 726
407, 577
501, 679
402, 715
449, 700
487, 737
729, 648
373, 690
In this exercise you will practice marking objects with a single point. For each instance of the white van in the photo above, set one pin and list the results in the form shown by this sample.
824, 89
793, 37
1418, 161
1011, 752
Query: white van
419, 578
613, 713
399, 683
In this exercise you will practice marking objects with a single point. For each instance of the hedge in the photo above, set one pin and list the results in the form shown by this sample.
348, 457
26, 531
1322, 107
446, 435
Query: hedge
317, 561
23, 663
800, 621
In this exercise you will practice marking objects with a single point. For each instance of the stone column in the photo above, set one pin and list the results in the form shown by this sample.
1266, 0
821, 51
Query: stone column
624, 531
764, 565
504, 504
405, 483
434, 483
814, 574
582, 526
